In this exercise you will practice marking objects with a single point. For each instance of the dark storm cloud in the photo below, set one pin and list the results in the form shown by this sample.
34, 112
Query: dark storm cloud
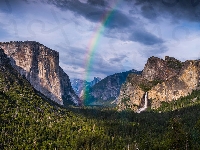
116, 20
93, 10
151, 9
94, 13
175, 9
149, 12
145, 38
5, 6
97, 2
117, 59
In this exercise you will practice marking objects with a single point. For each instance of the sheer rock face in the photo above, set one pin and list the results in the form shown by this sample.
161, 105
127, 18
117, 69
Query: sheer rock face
166, 80
40, 66
131, 95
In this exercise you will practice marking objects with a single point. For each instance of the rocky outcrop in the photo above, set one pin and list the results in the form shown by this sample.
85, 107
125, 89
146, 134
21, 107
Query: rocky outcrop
181, 85
164, 80
40, 66
131, 94
159, 69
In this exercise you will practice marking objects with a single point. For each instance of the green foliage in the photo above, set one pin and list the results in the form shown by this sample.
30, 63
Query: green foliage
155, 82
174, 64
125, 99
176, 135
146, 86
87, 97
28, 121
104, 103
190, 100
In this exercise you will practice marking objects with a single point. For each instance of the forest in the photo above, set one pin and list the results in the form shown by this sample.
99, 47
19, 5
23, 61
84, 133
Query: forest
28, 120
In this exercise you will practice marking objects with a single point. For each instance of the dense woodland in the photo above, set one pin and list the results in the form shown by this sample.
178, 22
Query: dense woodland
28, 120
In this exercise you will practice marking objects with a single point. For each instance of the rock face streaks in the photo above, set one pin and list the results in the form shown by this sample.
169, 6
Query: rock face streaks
40, 66
164, 80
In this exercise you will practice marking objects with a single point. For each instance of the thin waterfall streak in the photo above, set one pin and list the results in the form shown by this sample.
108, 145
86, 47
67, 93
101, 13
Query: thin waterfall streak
145, 104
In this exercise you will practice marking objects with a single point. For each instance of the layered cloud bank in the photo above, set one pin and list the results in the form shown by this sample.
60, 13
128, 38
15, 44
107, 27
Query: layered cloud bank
125, 32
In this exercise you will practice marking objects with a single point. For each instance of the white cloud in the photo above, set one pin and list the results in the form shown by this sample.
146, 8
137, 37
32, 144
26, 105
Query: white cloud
70, 34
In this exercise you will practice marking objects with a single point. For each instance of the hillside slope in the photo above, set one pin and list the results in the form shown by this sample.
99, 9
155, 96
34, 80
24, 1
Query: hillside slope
107, 89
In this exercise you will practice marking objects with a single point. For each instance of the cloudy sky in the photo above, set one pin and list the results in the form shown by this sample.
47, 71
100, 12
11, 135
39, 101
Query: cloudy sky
110, 35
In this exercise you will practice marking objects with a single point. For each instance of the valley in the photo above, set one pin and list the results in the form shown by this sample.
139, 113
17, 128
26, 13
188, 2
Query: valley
31, 120
99, 75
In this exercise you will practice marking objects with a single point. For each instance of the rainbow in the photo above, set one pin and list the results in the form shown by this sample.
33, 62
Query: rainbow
96, 38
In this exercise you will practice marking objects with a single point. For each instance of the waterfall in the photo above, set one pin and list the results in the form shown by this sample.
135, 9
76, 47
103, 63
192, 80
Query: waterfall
145, 104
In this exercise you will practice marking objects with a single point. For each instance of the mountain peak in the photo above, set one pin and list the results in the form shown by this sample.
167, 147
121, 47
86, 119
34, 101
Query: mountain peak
95, 81
79, 85
159, 69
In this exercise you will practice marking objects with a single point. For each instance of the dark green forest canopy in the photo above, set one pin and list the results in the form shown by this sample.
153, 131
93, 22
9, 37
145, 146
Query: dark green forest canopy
28, 120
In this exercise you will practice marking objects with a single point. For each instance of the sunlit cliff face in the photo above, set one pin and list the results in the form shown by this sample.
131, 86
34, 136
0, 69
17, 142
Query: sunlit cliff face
163, 80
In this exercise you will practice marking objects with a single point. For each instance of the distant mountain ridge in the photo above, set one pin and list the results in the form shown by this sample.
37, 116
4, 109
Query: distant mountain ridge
40, 66
78, 85
107, 89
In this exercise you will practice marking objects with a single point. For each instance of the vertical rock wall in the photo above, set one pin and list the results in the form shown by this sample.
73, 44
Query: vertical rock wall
40, 66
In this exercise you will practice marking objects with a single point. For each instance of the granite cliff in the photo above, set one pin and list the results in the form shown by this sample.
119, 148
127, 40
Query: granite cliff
163, 80
40, 66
